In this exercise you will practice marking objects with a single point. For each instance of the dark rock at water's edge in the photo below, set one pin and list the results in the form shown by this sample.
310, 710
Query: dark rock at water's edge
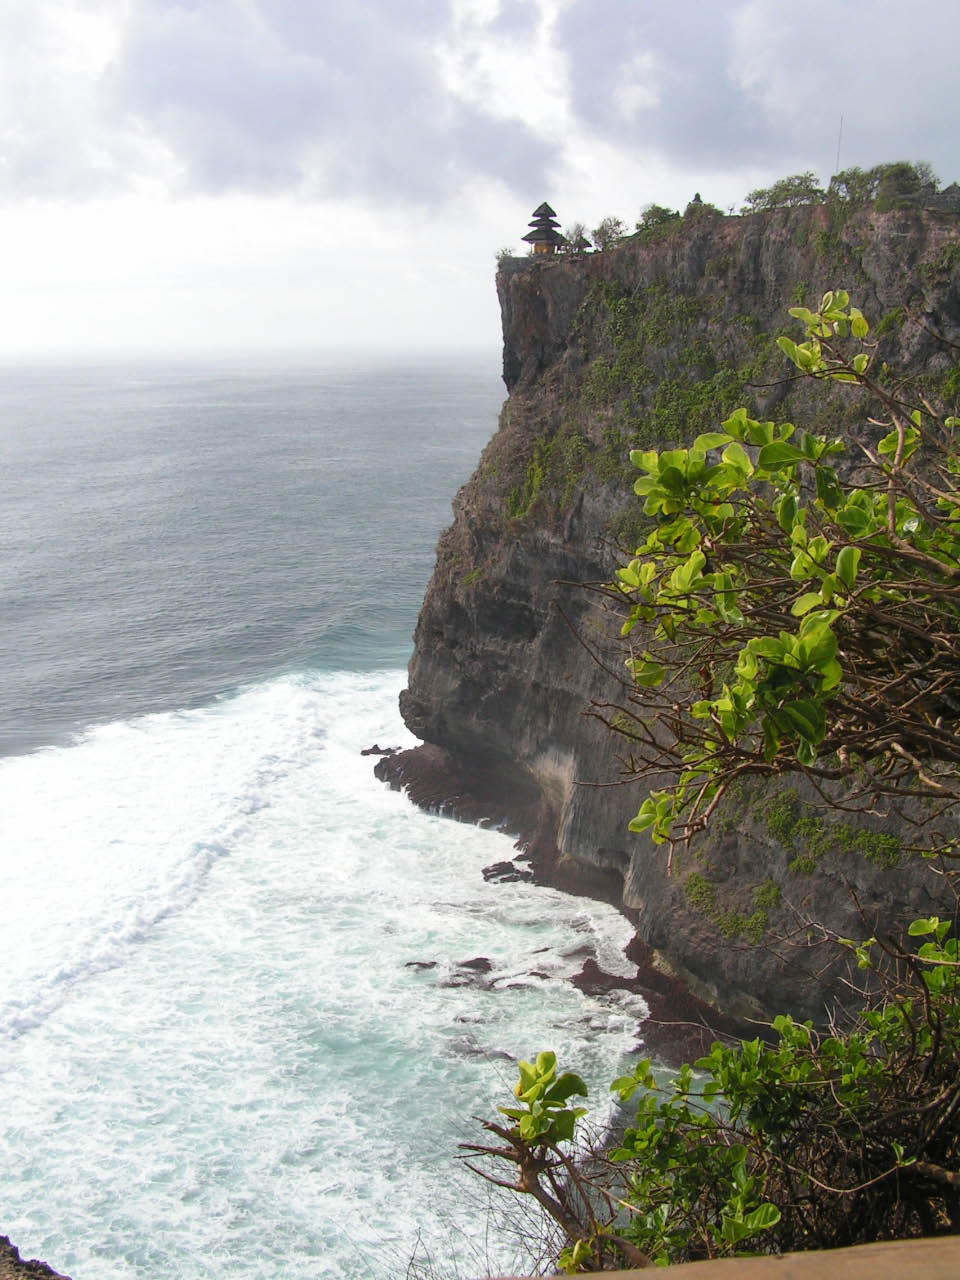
679, 1026
647, 343
13, 1267
433, 779
506, 873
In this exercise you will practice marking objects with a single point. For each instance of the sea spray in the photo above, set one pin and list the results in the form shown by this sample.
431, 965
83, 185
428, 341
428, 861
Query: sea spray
260, 1030
237, 1035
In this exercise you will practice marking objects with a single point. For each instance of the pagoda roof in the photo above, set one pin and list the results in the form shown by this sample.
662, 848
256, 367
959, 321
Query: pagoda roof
544, 235
544, 223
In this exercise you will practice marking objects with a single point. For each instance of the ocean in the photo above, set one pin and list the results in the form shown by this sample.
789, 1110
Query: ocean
236, 1034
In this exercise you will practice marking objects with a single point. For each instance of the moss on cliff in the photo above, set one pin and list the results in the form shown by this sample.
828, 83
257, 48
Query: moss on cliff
809, 836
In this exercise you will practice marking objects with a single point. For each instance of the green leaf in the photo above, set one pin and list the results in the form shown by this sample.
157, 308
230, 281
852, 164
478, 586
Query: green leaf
859, 325
828, 487
711, 440
832, 674
735, 455
779, 454
768, 1215
766, 647
546, 1063
760, 433
853, 520
807, 718
566, 1086
786, 509
673, 479
789, 348
736, 424
809, 443
848, 561
809, 600
646, 816
889, 444
818, 645
920, 928
648, 674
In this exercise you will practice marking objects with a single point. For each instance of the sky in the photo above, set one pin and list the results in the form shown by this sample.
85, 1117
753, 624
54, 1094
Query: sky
194, 176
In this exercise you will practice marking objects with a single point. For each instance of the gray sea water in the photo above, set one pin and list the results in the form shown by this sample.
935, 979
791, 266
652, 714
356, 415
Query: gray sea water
219, 1053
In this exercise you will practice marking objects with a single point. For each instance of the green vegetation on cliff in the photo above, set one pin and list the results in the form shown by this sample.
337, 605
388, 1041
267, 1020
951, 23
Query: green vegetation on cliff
824, 613
698, 389
800, 614
805, 1141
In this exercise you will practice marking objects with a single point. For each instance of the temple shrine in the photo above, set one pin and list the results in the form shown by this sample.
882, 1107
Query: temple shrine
545, 238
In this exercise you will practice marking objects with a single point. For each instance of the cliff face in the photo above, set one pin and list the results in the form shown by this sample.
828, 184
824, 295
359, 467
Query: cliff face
653, 342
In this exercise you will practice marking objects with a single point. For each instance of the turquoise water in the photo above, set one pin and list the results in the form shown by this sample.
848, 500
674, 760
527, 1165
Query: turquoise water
221, 1052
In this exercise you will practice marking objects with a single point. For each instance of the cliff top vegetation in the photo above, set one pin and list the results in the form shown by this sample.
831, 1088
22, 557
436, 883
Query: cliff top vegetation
897, 184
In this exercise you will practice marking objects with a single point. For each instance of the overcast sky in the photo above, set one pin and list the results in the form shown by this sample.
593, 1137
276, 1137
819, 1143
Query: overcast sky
267, 174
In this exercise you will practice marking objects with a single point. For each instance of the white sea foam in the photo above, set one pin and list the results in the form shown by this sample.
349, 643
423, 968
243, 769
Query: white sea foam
223, 1049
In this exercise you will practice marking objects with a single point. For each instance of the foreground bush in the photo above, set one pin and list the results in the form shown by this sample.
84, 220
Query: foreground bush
808, 1141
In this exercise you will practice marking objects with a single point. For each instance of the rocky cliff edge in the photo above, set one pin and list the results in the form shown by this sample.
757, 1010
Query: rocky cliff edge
650, 343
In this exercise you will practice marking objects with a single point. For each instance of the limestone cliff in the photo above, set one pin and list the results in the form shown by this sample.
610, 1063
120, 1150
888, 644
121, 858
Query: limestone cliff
654, 341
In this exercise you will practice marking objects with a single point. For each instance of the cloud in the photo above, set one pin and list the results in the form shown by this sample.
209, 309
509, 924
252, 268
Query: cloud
343, 98
759, 85
517, 17
416, 103
348, 98
54, 134
893, 80
657, 77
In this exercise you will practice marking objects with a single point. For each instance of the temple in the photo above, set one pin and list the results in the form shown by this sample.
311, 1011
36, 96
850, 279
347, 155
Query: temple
544, 237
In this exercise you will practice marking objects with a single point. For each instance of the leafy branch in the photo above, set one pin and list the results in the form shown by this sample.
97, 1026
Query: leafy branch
808, 1140
798, 598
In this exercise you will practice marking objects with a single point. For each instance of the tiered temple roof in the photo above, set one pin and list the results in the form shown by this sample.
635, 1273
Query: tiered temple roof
544, 237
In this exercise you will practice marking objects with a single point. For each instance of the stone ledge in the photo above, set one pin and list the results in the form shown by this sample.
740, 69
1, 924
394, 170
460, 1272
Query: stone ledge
934, 1258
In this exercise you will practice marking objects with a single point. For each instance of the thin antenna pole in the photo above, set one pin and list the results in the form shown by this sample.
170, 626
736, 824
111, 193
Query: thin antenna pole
839, 136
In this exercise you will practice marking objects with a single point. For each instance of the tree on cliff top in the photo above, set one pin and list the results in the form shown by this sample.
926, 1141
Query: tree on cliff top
884, 183
607, 232
576, 238
798, 188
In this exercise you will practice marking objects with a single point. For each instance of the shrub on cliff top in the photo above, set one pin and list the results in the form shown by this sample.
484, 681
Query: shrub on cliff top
607, 232
884, 183
799, 188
